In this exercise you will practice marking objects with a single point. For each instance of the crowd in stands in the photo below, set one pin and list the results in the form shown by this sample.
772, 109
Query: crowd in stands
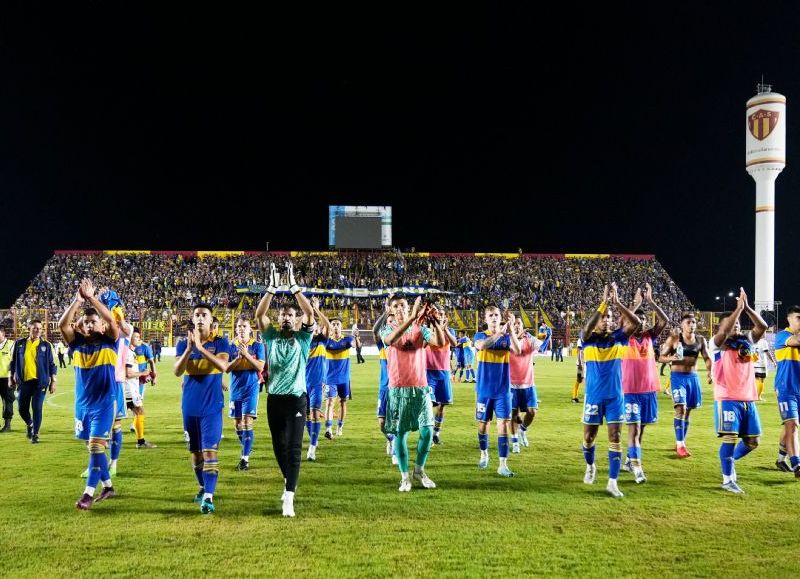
171, 281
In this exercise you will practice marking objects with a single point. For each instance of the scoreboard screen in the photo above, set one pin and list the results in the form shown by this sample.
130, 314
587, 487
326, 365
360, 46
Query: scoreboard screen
360, 227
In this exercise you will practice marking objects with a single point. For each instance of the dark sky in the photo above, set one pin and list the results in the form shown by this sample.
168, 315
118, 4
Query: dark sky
554, 129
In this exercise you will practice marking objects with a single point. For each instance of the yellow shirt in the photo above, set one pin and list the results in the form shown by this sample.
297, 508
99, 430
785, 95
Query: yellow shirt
29, 370
5, 357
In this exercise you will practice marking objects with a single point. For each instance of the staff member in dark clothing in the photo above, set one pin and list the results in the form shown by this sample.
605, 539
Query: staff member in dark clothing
33, 369
6, 391
287, 355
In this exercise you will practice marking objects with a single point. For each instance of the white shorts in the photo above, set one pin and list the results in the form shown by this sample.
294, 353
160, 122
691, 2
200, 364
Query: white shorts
132, 394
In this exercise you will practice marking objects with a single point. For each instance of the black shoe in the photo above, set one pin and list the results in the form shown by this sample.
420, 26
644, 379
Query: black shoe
328, 435
30, 431
436, 439
783, 465
6, 426
35, 439
243, 465
576, 401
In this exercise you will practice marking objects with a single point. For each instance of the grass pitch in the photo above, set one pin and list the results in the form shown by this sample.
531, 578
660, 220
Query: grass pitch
352, 522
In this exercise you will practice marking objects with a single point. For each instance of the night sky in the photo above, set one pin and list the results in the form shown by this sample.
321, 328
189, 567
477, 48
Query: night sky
554, 129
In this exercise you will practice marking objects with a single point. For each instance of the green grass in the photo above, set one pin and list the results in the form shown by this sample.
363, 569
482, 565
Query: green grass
351, 521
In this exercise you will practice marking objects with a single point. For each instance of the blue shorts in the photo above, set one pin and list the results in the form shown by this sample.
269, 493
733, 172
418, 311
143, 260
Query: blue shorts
340, 390
524, 398
596, 409
383, 395
94, 422
486, 408
202, 432
247, 406
314, 397
641, 408
685, 389
441, 387
740, 418
459, 362
119, 402
787, 405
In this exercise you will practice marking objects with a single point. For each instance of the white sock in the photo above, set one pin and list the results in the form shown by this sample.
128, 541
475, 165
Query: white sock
106, 483
113, 463
681, 444
246, 457
289, 497
312, 447
726, 479
503, 462
89, 491
404, 476
208, 497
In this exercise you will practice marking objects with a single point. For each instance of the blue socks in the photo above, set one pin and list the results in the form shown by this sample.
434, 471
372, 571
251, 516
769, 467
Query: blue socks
726, 457
614, 460
247, 441
502, 446
198, 471
210, 475
483, 441
116, 441
315, 428
741, 451
680, 429
588, 453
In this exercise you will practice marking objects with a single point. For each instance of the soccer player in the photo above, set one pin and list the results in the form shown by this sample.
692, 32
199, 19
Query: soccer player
386, 318
316, 368
640, 385
438, 372
523, 387
408, 406
764, 358
603, 349
94, 355
133, 394
469, 359
201, 360
459, 355
246, 360
287, 355
684, 382
787, 386
579, 371
112, 301
337, 376
494, 345
145, 372
735, 412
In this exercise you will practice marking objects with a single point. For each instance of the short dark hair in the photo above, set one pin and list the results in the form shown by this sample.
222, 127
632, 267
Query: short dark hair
793, 310
86, 312
287, 307
243, 318
397, 297
687, 315
336, 319
38, 321
639, 311
136, 330
202, 305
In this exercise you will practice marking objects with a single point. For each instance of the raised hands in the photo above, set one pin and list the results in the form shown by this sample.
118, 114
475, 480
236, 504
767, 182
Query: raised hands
293, 287
274, 279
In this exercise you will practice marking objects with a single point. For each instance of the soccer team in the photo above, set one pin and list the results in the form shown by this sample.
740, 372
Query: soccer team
308, 362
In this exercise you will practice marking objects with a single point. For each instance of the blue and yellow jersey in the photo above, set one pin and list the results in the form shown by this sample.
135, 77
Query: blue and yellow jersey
317, 364
383, 381
787, 378
494, 374
202, 382
338, 354
95, 363
243, 376
143, 354
602, 354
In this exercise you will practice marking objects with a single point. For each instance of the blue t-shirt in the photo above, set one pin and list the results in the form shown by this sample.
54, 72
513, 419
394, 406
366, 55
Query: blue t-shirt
245, 380
317, 365
602, 355
143, 354
202, 381
787, 378
338, 354
494, 370
95, 363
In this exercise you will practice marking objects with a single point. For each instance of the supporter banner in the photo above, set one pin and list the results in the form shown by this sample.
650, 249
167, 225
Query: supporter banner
127, 251
353, 292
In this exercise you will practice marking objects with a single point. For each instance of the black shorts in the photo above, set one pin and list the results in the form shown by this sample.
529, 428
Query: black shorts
762, 375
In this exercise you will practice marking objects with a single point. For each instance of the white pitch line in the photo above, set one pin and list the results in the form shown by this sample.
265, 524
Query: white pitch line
50, 402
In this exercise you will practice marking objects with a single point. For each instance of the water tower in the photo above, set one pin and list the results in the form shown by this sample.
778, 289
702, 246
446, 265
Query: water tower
765, 158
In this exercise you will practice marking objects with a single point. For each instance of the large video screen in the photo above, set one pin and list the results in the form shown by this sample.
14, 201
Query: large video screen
354, 226
358, 233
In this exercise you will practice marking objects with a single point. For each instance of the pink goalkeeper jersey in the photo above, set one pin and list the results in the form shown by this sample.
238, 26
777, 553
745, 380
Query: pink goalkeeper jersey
521, 364
732, 369
123, 345
639, 366
406, 359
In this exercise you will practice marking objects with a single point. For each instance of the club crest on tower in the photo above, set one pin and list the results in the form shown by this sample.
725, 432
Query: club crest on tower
762, 122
